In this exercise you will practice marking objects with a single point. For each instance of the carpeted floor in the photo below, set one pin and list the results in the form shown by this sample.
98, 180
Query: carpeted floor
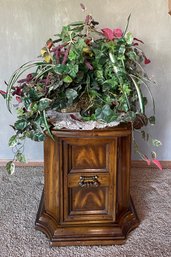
19, 199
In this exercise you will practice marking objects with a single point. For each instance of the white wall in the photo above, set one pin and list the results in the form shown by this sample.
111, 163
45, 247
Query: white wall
26, 24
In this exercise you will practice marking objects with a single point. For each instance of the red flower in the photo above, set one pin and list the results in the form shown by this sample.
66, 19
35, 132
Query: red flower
117, 33
108, 33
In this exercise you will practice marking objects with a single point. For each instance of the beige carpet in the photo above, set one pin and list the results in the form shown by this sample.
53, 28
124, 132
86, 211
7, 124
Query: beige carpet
19, 200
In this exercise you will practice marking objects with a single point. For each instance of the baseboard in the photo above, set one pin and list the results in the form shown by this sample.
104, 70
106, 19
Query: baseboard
134, 164
27, 164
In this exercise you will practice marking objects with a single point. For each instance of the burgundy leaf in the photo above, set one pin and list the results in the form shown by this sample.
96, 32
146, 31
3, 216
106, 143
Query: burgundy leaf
57, 51
22, 80
146, 60
57, 55
3, 92
59, 47
66, 55
25, 110
157, 163
18, 91
88, 65
74, 117
29, 77
47, 80
88, 19
88, 41
136, 39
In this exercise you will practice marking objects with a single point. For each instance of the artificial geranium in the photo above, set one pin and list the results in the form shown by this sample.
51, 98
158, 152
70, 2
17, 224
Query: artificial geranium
98, 72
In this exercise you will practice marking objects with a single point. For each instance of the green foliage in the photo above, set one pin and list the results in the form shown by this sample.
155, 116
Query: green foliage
44, 103
13, 141
20, 157
156, 142
20, 124
10, 167
80, 63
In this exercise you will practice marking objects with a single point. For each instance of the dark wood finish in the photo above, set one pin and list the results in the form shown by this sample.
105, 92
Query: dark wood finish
86, 198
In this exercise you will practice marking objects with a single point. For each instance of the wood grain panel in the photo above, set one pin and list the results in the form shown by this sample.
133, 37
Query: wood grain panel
88, 200
91, 156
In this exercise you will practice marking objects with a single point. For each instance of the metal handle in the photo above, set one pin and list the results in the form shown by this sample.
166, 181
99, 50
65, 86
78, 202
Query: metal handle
89, 181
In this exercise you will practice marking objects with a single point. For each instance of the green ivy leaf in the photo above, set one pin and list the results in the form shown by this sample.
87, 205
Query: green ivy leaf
13, 141
33, 107
10, 167
73, 69
129, 38
20, 157
132, 55
72, 55
156, 142
20, 112
71, 94
65, 36
36, 136
20, 124
152, 120
67, 79
153, 155
44, 104
105, 113
27, 102
122, 50
60, 69
33, 94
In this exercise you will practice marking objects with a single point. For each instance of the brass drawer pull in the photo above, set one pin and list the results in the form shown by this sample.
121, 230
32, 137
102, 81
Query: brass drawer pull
89, 181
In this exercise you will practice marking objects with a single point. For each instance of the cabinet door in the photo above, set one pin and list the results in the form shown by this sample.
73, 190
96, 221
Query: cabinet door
89, 182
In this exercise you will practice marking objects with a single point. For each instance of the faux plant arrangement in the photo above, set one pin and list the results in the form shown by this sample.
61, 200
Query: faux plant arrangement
97, 72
